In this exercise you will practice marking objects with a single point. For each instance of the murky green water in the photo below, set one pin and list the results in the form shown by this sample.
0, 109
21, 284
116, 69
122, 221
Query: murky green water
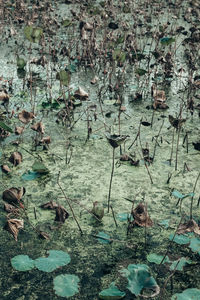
86, 178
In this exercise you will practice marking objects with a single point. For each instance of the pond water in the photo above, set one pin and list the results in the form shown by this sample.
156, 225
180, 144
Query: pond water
85, 164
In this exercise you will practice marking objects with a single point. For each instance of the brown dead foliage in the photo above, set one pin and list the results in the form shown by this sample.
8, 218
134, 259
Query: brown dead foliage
25, 116
15, 158
141, 217
13, 226
13, 195
190, 226
39, 127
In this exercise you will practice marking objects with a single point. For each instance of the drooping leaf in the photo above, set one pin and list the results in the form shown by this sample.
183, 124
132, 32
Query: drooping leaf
66, 285
66, 22
138, 277
167, 40
13, 226
22, 263
189, 294
112, 293
5, 127
140, 72
179, 264
156, 258
195, 244
180, 239
55, 260
40, 168
21, 63
103, 238
30, 175
64, 77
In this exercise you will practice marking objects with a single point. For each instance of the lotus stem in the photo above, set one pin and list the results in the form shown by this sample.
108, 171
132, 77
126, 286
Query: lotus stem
111, 177
192, 199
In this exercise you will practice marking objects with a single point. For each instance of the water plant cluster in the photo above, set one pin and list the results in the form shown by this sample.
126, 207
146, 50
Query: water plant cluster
99, 149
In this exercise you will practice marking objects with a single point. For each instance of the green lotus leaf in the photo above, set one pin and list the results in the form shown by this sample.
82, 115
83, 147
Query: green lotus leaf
55, 260
22, 263
180, 239
28, 30
103, 238
112, 293
189, 294
5, 127
124, 217
165, 223
138, 277
177, 194
155, 258
167, 40
195, 244
66, 285
20, 63
182, 262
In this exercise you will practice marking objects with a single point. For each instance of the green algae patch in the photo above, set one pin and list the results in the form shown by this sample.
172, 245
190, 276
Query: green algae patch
189, 294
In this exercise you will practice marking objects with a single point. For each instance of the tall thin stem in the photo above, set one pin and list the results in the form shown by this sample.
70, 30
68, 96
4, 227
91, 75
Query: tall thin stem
192, 200
111, 177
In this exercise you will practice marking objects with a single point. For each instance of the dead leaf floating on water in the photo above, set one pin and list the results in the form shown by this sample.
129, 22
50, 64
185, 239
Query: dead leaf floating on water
25, 116
49, 205
190, 226
13, 226
4, 97
141, 217
46, 140
5, 169
39, 127
10, 208
81, 94
61, 214
15, 158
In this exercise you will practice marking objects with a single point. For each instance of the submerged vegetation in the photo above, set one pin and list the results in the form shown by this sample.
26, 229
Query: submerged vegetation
99, 149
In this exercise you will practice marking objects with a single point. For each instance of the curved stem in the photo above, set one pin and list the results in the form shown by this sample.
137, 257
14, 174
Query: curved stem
112, 172
192, 200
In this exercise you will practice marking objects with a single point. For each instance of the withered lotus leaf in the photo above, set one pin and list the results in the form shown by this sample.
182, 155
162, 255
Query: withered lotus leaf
189, 226
13, 195
39, 127
141, 217
61, 214
5, 169
81, 94
46, 140
25, 116
19, 130
44, 235
15, 158
4, 97
13, 226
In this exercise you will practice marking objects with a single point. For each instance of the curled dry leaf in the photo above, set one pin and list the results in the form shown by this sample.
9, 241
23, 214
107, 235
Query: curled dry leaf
46, 140
94, 80
39, 127
13, 195
15, 158
190, 226
5, 169
10, 208
4, 97
49, 205
61, 214
141, 217
19, 130
25, 116
81, 94
13, 226
44, 235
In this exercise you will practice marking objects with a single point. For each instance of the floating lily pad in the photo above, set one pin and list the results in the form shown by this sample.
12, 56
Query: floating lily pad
55, 260
22, 263
138, 277
180, 239
177, 194
189, 294
66, 285
156, 258
182, 262
112, 293
40, 168
195, 244
5, 127
103, 238
30, 175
